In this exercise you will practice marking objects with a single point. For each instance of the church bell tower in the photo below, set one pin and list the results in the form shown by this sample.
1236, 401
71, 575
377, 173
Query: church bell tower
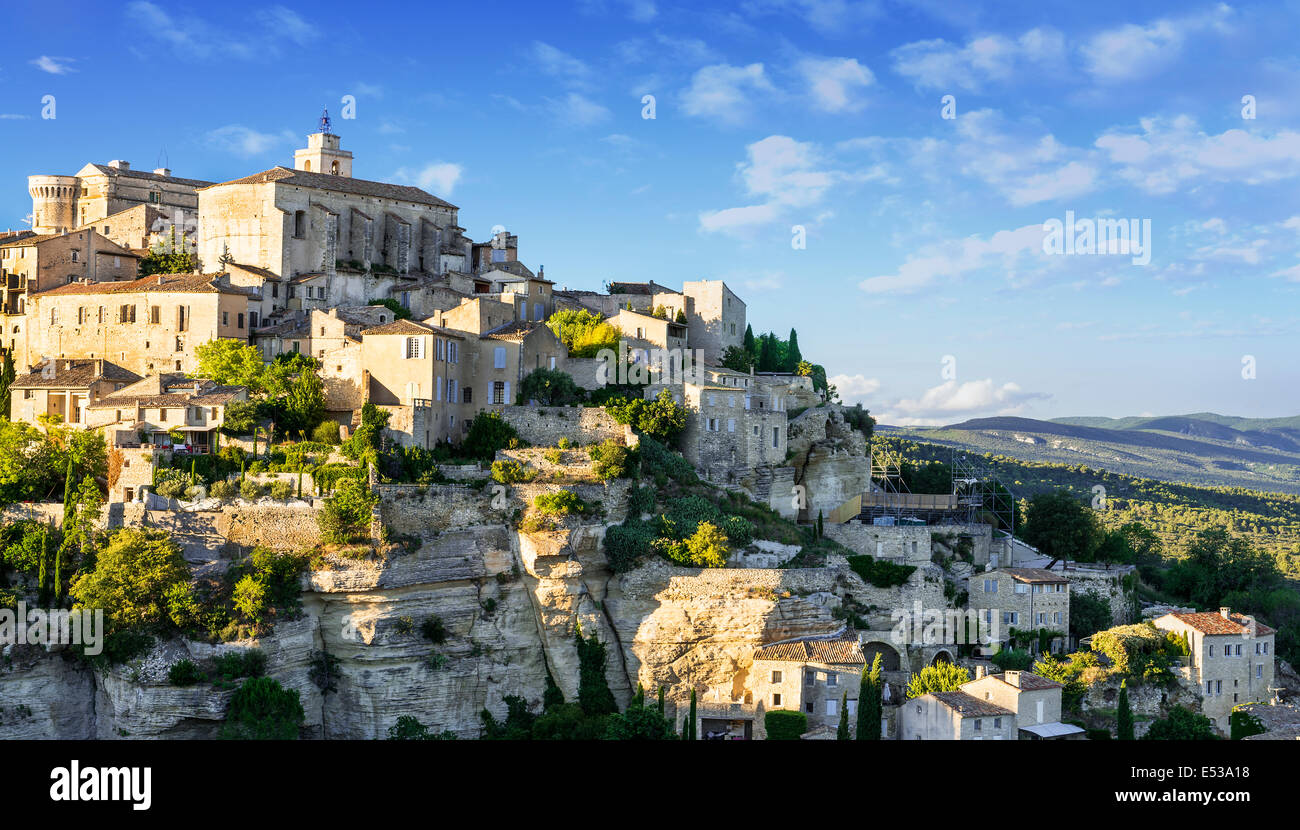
322, 153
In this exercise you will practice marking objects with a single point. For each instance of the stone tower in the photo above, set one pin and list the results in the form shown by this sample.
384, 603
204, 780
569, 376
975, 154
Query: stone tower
322, 153
54, 203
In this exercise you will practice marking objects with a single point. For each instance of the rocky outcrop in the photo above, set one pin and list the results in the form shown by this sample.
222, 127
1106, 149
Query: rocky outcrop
829, 456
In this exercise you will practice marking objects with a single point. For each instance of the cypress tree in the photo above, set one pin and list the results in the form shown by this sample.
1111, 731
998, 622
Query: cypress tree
870, 703
842, 734
593, 690
821, 524
750, 345
792, 355
42, 590
639, 698
1124, 715
690, 725
67, 495
661, 700
7, 376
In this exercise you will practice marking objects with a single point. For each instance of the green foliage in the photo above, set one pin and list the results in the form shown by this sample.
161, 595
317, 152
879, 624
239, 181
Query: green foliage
262, 710
131, 578
656, 456
626, 543
1141, 652
511, 472
304, 405
400, 312
7, 377
941, 677
784, 725
167, 258
737, 359
559, 503
707, 547
1181, 724
250, 598
1014, 659
1124, 715
639, 723
231, 362
326, 432
282, 490
185, 673
1062, 527
1088, 614
880, 573
662, 418
241, 663
871, 701
367, 439
434, 630
408, 728
488, 432
34, 463
549, 387
346, 514
610, 459
583, 332
1242, 724
842, 733
640, 500
594, 695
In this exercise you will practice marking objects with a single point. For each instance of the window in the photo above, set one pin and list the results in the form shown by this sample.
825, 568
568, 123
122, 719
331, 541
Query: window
832, 679
180, 344
979, 725
499, 357
1259, 671
1011, 617
832, 707
1218, 687
1022, 588
809, 677
442, 349
498, 392
776, 699
76, 255
1211, 651
776, 437
990, 586
225, 318
808, 707
414, 348
469, 394
453, 352
776, 677
731, 425
451, 392
162, 415
1056, 618
299, 223
997, 723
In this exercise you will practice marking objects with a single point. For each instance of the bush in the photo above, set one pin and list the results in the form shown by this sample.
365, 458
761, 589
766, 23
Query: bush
559, 503
224, 490
549, 387
346, 514
656, 456
610, 459
233, 665
185, 673
784, 725
707, 547
433, 630
626, 543
488, 432
282, 490
940, 677
640, 500
880, 574
262, 710
511, 472
171, 488
250, 490
250, 598
131, 579
326, 432
408, 728
1013, 659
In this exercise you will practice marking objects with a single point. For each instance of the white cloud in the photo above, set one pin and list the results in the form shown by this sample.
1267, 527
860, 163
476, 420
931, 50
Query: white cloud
784, 174
577, 110
54, 66
439, 177
951, 401
955, 258
1171, 152
834, 82
834, 18
560, 64
262, 35
245, 141
1131, 51
854, 388
723, 92
938, 64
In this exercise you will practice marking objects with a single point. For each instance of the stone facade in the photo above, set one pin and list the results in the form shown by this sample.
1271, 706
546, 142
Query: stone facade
544, 426
954, 716
1027, 599
718, 318
97, 191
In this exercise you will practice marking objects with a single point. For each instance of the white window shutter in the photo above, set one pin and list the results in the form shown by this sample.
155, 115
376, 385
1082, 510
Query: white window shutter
508, 399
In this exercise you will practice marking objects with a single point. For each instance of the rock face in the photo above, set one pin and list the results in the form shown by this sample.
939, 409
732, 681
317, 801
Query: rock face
829, 457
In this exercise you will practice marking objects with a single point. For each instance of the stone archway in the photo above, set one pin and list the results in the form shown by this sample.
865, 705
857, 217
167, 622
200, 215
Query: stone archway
890, 658
943, 655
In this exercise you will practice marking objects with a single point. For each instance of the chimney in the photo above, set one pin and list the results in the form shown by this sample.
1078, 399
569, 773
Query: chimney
161, 279
1225, 612
980, 671
119, 164
162, 171
1012, 677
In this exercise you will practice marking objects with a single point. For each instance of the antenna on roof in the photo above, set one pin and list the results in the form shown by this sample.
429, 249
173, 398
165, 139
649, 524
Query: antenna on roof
325, 121
163, 160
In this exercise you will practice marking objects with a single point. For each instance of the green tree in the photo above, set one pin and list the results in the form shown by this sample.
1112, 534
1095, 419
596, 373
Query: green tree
400, 312
1088, 614
1124, 714
842, 733
871, 700
166, 257
232, 363
1062, 527
941, 677
347, 512
792, 357
367, 440
1181, 724
131, 578
304, 407
250, 597
593, 689
749, 345
737, 359
639, 723
692, 720
7, 378
263, 710
585, 333
488, 432
549, 387
784, 725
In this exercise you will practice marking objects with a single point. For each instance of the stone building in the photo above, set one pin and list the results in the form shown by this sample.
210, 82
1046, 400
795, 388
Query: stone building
97, 191
62, 389
1035, 701
716, 317
955, 716
644, 332
731, 429
1027, 599
1232, 658
419, 368
151, 409
36, 263
809, 676
148, 325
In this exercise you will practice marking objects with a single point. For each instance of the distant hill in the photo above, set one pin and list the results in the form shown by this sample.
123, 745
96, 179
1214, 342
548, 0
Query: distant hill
1203, 448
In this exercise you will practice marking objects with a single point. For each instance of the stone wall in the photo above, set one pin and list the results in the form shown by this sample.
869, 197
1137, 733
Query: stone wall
544, 426
1108, 585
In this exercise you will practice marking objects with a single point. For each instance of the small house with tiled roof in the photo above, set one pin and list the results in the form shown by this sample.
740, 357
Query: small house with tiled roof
1026, 599
812, 676
61, 389
161, 406
955, 716
1035, 701
1232, 658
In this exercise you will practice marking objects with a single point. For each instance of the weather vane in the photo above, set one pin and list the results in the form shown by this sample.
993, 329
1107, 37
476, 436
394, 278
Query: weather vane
325, 121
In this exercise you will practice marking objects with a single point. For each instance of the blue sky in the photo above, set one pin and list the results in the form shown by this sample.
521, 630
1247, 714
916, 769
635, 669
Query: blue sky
923, 233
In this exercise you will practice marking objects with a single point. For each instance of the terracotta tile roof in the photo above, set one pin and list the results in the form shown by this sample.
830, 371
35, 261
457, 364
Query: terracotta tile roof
189, 283
341, 184
514, 332
170, 390
969, 706
1212, 622
411, 327
33, 239
75, 374
1033, 575
814, 651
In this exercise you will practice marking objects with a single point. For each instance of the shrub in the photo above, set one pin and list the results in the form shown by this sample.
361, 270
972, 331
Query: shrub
408, 728
880, 574
941, 677
1014, 659
185, 673
511, 472
346, 514
433, 630
564, 443
282, 490
487, 433
1243, 724
639, 723
233, 665
132, 576
640, 500
263, 710
559, 503
626, 543
784, 725
549, 387
610, 459
707, 547
656, 456
739, 530
250, 598
224, 490
250, 490
172, 488
1181, 724
326, 432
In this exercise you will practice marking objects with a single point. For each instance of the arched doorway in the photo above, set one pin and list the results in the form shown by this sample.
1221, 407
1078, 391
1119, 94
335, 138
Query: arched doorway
941, 656
890, 659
